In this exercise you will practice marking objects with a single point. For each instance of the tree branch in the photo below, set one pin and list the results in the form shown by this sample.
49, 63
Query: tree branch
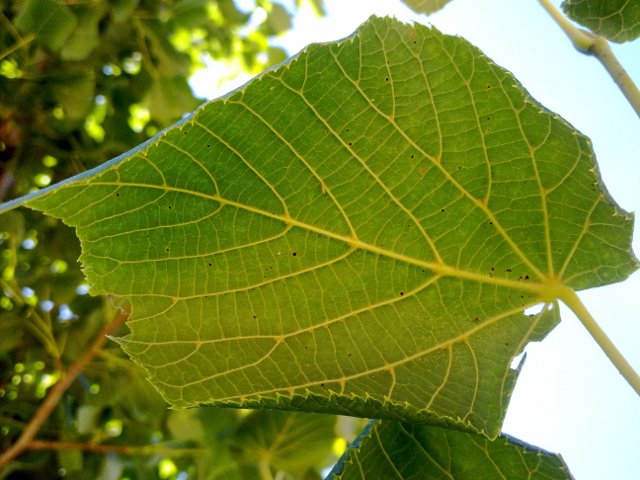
591, 44
56, 392
120, 449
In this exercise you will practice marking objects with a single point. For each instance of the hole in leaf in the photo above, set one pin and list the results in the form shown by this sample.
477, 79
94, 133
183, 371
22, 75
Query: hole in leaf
518, 361
534, 310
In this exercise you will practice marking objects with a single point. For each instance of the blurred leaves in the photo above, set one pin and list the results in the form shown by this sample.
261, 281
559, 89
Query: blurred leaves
399, 450
82, 82
426, 6
50, 20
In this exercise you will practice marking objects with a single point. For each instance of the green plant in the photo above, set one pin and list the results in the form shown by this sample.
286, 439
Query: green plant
369, 248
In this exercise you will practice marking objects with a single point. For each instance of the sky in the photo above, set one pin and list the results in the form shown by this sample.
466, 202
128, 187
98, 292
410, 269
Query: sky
569, 399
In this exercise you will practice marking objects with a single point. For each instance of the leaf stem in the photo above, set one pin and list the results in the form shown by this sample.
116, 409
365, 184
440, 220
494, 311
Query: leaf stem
591, 44
264, 470
571, 299
56, 392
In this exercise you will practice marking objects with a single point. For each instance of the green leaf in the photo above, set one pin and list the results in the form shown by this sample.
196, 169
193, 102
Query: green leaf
50, 20
86, 36
291, 442
426, 6
402, 451
75, 91
616, 20
278, 20
170, 98
358, 231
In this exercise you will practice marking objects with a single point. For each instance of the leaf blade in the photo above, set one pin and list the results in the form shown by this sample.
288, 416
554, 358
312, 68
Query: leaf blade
356, 232
395, 450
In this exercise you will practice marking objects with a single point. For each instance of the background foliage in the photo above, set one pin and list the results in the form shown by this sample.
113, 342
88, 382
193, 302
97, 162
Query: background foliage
82, 82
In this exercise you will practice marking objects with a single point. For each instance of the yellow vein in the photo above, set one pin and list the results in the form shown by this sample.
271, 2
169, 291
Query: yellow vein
193, 159
387, 457
581, 235
201, 255
437, 267
477, 119
244, 160
534, 164
325, 188
445, 378
445, 471
285, 336
475, 201
342, 380
371, 173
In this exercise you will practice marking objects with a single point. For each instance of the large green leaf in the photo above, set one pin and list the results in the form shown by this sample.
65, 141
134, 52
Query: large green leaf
358, 231
617, 20
50, 20
403, 451
291, 442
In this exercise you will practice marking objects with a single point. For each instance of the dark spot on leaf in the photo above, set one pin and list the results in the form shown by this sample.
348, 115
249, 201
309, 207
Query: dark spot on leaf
509, 270
294, 253
476, 319
322, 385
490, 223
526, 277
117, 194
210, 265
488, 86
254, 316
349, 354
401, 294
442, 210
386, 79
169, 207
350, 143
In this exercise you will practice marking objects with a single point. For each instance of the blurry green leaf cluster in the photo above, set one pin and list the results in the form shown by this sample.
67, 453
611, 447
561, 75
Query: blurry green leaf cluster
82, 82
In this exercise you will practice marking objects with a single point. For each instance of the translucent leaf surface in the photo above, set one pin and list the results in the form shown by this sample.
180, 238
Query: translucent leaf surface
408, 451
426, 6
292, 442
617, 20
358, 231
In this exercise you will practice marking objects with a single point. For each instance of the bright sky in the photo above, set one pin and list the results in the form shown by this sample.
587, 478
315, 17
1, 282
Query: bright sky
569, 398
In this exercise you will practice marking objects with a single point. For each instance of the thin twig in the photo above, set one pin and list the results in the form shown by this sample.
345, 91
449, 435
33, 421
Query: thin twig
120, 449
56, 392
17, 46
591, 44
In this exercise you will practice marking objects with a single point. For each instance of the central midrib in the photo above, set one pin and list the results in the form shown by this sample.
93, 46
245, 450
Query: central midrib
540, 288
